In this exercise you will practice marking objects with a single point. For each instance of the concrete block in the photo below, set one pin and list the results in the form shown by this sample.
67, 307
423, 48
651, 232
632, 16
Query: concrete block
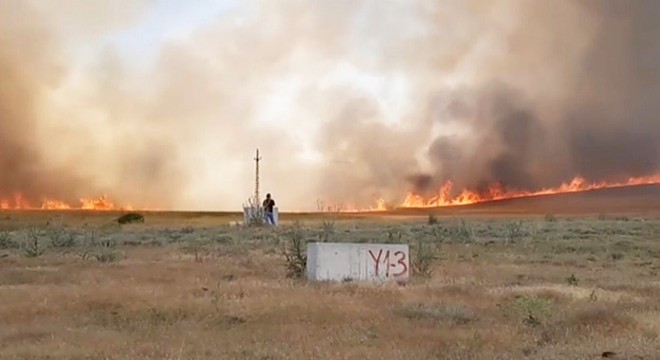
357, 262
276, 215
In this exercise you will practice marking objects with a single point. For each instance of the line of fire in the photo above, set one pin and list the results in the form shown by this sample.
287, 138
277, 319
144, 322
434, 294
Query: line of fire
445, 197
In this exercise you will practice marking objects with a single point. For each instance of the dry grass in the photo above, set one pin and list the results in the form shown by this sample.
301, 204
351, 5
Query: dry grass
204, 290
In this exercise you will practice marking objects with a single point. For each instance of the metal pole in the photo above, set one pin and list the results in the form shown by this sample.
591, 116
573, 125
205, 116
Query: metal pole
256, 190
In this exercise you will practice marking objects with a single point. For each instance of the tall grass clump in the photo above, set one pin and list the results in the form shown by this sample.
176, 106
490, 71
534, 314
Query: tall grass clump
256, 214
534, 310
515, 230
573, 280
294, 251
424, 257
60, 237
196, 248
394, 236
99, 248
327, 231
32, 245
7, 241
106, 251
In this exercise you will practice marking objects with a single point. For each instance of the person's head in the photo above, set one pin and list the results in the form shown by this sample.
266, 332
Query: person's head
267, 196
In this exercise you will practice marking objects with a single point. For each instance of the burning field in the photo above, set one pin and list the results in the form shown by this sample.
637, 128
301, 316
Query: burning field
18, 202
494, 192
513, 145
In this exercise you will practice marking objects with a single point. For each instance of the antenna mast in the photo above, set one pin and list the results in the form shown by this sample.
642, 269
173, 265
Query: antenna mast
256, 188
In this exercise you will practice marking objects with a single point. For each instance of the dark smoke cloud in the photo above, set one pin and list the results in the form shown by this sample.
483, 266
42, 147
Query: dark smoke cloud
597, 117
504, 142
613, 124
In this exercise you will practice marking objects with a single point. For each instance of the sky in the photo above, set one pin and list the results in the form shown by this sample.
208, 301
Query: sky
162, 103
164, 21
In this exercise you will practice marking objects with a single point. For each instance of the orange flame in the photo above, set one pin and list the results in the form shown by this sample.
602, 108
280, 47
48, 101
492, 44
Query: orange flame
102, 203
497, 192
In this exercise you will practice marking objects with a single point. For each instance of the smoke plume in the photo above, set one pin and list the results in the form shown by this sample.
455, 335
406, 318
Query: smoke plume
348, 101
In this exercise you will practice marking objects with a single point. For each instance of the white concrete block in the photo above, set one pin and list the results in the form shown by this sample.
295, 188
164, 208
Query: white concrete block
358, 262
276, 215
247, 214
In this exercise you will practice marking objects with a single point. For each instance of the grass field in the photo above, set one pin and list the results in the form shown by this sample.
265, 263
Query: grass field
189, 286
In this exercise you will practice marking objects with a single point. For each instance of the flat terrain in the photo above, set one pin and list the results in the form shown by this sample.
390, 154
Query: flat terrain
546, 278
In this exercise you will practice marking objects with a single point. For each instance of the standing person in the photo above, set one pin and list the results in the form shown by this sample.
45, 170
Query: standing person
268, 204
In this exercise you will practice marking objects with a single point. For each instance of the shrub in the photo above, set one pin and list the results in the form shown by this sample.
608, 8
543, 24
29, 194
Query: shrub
107, 243
617, 256
572, 280
7, 241
106, 256
131, 243
515, 230
462, 232
423, 260
327, 231
61, 238
293, 249
32, 246
130, 218
394, 236
256, 214
533, 309
102, 250
550, 218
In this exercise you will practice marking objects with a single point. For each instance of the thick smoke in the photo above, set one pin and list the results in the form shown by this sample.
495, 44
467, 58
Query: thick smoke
347, 100
53, 152
28, 64
612, 124
576, 93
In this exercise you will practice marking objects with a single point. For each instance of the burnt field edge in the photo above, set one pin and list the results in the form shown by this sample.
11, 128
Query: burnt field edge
635, 198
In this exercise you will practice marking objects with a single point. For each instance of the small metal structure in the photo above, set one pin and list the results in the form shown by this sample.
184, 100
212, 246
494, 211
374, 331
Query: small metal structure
253, 212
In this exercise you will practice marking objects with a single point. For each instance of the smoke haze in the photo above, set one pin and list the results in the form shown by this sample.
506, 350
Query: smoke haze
347, 100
